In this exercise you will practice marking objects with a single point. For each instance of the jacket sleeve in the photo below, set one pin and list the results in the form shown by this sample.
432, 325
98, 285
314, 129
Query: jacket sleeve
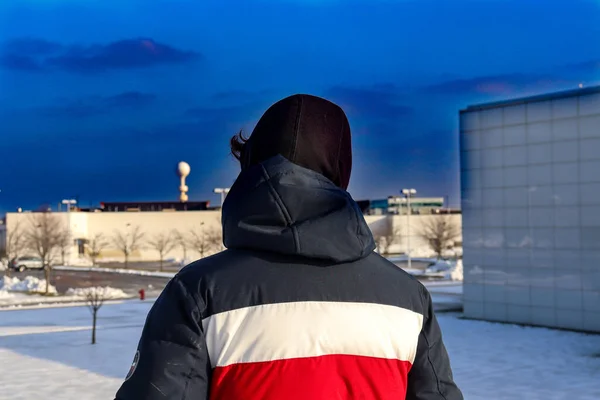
171, 361
430, 377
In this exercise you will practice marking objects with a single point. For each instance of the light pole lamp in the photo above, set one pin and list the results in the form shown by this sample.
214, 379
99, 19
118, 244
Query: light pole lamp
69, 203
223, 192
408, 193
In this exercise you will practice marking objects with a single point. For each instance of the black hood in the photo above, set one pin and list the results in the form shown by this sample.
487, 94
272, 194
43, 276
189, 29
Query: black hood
307, 130
280, 207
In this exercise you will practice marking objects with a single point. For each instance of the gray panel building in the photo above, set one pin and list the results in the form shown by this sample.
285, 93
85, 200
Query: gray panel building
530, 182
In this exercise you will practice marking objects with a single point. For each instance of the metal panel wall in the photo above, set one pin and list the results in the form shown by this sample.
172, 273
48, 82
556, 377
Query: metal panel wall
530, 182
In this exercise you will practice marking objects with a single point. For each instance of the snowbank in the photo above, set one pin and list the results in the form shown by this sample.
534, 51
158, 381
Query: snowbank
82, 262
15, 292
456, 273
28, 285
426, 252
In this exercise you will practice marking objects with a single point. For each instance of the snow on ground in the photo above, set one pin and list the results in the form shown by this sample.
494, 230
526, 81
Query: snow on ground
426, 252
46, 354
447, 287
446, 295
430, 267
16, 292
455, 271
106, 292
118, 271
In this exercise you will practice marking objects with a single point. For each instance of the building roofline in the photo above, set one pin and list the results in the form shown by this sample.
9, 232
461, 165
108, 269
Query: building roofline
533, 99
153, 202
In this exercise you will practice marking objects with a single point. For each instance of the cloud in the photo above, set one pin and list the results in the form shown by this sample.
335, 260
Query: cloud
37, 54
31, 47
123, 54
97, 105
374, 102
19, 62
495, 84
26, 54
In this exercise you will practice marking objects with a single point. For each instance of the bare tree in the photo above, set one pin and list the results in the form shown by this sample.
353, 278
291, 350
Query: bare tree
129, 241
181, 241
95, 246
163, 243
215, 237
205, 240
94, 298
16, 242
64, 244
386, 237
43, 238
440, 233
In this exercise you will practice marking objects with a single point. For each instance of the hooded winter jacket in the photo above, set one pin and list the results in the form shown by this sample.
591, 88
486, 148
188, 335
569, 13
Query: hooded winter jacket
298, 307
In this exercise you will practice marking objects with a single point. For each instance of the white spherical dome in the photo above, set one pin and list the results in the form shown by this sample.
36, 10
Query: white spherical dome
183, 169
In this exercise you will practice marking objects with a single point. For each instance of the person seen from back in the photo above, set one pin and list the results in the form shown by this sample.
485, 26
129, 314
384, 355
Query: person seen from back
299, 306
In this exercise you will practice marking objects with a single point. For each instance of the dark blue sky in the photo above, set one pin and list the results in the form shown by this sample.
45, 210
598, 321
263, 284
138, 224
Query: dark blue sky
101, 98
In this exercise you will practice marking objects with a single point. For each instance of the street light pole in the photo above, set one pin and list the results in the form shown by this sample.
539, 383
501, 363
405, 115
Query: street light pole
69, 203
408, 193
223, 192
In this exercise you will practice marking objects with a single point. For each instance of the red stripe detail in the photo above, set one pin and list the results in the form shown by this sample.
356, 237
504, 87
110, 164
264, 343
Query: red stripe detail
333, 377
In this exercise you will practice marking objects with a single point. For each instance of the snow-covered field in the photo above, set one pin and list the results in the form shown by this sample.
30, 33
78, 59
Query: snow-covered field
46, 355
29, 291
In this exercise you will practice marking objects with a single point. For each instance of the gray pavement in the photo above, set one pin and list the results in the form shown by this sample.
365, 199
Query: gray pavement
445, 297
129, 283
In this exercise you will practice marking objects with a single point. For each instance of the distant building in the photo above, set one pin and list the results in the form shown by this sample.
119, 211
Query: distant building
155, 206
530, 183
397, 205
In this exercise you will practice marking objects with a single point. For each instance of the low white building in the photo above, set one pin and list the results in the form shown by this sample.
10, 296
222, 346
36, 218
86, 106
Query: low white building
2, 239
394, 232
146, 227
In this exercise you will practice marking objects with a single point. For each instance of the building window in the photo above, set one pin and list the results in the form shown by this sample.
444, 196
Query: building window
81, 246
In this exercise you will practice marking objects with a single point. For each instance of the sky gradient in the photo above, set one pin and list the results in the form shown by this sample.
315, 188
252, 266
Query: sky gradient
99, 99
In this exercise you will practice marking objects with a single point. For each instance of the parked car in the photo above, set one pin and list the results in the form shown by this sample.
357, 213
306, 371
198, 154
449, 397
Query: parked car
429, 268
24, 263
